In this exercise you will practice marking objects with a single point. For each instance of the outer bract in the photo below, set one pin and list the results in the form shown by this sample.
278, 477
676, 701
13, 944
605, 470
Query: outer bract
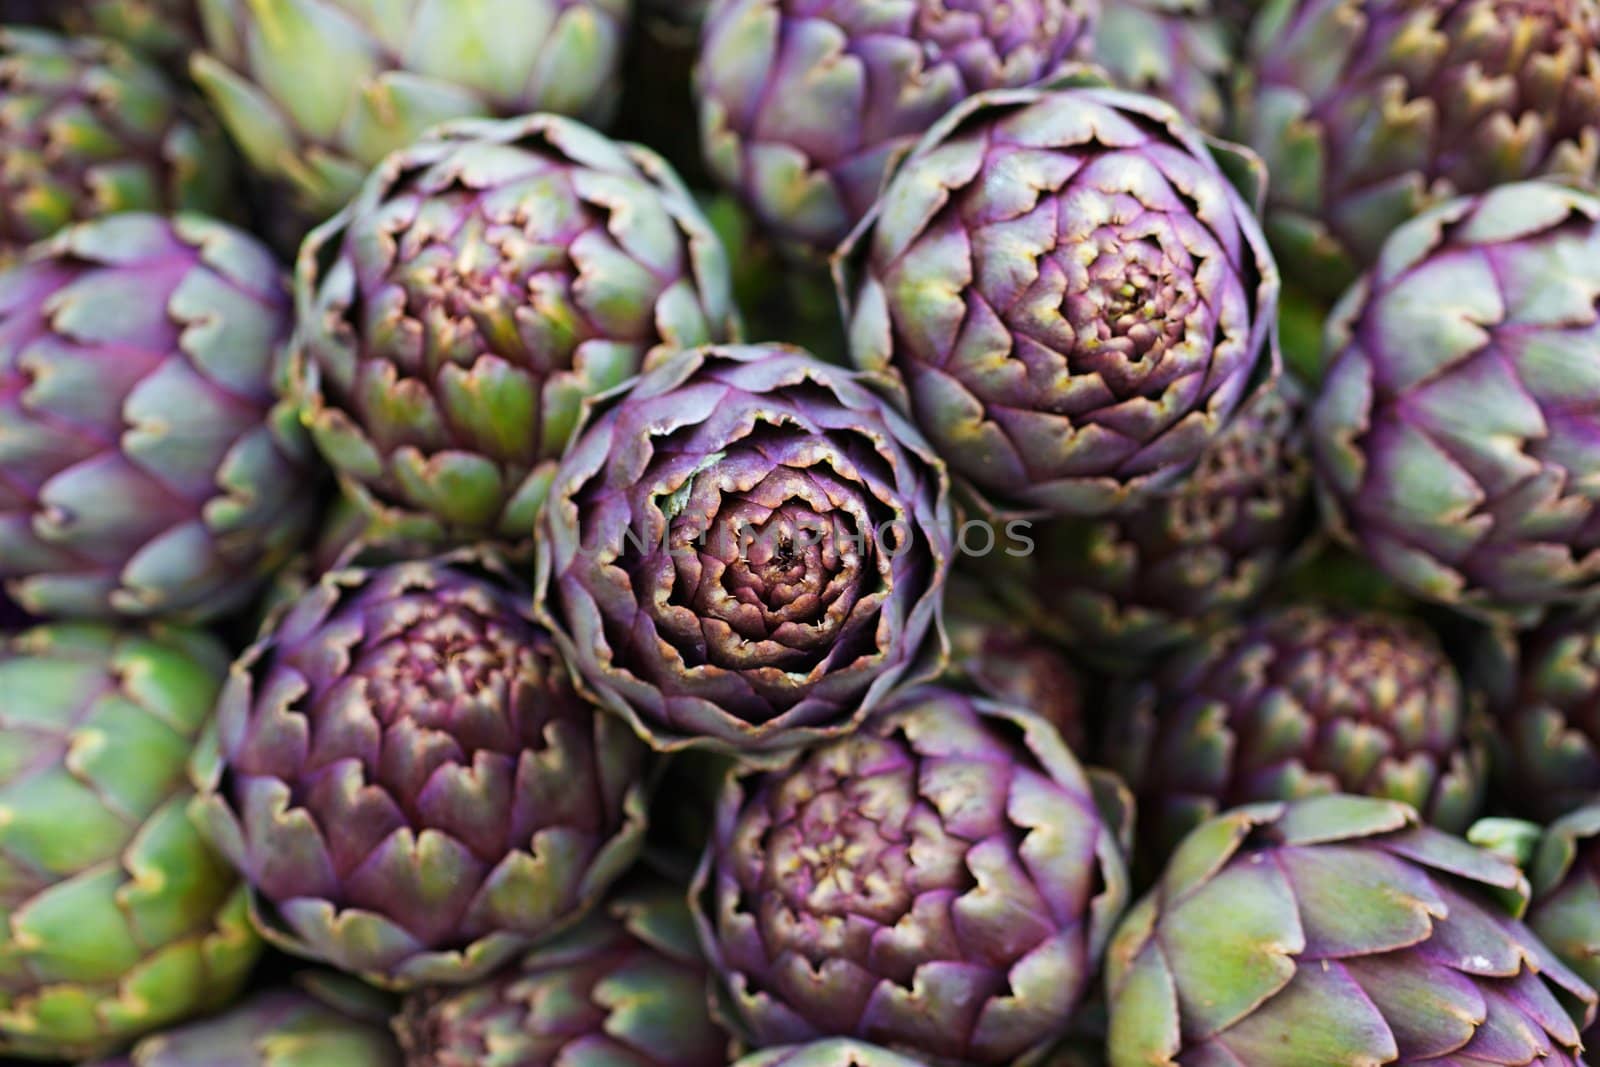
484, 284
1297, 702
1455, 434
115, 916
166, 30
1548, 720
1565, 914
317, 92
805, 104
832, 1052
150, 468
1124, 589
627, 986
408, 781
1338, 930
940, 883
747, 549
1071, 294
277, 1028
1176, 50
1369, 111
87, 129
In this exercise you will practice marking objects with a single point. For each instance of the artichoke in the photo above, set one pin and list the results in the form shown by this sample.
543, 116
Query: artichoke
746, 550
86, 129
831, 1052
1177, 50
1547, 719
1453, 435
994, 652
625, 987
151, 469
1068, 292
317, 92
166, 30
485, 283
1565, 876
1299, 701
1125, 589
115, 916
805, 106
1367, 112
1337, 930
408, 781
287, 1027
940, 883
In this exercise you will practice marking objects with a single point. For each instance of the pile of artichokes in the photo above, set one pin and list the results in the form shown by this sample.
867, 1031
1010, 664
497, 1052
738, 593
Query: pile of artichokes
800, 533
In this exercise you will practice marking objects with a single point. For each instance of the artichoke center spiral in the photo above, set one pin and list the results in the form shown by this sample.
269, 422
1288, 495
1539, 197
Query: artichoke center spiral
1130, 299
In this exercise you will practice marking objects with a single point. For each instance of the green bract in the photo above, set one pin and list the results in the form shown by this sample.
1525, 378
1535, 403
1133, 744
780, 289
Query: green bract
486, 282
316, 92
87, 129
1369, 111
627, 986
1565, 873
115, 916
1337, 930
408, 781
150, 466
167, 30
1068, 294
1457, 434
1175, 50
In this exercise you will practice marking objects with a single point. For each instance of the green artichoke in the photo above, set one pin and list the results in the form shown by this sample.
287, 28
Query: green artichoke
324, 1024
1176, 50
806, 104
1454, 436
115, 916
408, 781
1298, 701
1125, 589
746, 550
940, 883
1337, 930
832, 1052
1067, 292
165, 30
1369, 111
1547, 718
484, 285
87, 129
627, 986
151, 469
1565, 875
317, 92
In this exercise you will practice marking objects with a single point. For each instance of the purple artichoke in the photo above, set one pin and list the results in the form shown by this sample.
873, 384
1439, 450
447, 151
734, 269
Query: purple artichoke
1298, 702
627, 986
939, 883
1457, 434
805, 104
1068, 293
1367, 112
149, 466
747, 549
1125, 589
408, 781
485, 283
1338, 930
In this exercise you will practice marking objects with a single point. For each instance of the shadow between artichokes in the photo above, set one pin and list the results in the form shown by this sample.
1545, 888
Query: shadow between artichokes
407, 781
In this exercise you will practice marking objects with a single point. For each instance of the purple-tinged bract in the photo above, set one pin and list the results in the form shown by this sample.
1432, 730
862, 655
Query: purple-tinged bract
1457, 434
805, 104
1068, 293
747, 549
147, 464
408, 781
940, 883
